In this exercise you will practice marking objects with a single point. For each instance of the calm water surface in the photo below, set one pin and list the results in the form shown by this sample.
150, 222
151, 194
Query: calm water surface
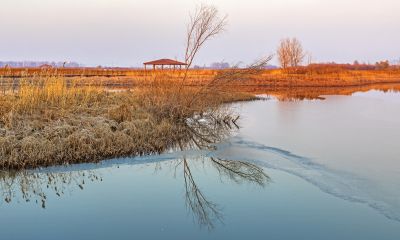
315, 169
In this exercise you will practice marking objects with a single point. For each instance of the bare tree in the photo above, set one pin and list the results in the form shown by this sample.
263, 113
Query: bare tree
205, 23
185, 98
290, 53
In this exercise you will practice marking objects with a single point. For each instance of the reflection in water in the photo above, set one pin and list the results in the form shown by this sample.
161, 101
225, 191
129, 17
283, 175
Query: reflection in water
238, 172
317, 93
30, 186
202, 208
201, 132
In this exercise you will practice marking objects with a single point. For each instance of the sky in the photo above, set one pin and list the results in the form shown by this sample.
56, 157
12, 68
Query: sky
130, 32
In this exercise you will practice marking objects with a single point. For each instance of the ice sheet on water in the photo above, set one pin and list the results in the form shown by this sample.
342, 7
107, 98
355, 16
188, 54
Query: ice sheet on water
344, 185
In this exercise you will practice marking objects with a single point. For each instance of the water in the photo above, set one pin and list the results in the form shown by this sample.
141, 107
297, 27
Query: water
313, 169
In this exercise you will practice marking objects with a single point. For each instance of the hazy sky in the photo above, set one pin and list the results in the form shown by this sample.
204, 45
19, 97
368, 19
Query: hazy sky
128, 32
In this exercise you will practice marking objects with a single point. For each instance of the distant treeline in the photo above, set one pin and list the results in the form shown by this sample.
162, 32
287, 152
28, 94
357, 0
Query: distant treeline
225, 65
325, 68
46, 70
311, 69
22, 64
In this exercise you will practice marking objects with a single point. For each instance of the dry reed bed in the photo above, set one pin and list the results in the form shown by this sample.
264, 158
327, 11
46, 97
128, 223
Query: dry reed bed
53, 121
269, 78
132, 77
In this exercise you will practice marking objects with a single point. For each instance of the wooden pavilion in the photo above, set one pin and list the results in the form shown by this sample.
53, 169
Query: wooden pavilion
164, 62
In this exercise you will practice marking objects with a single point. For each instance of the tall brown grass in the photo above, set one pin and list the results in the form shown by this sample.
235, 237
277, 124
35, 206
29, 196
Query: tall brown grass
52, 120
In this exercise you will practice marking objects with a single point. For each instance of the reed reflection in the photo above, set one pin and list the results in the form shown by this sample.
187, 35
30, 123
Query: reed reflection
27, 186
297, 94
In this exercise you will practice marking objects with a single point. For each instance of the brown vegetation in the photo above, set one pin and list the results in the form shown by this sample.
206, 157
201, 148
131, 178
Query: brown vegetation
54, 121
315, 75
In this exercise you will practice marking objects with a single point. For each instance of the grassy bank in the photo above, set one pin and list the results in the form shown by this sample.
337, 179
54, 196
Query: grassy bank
52, 120
125, 77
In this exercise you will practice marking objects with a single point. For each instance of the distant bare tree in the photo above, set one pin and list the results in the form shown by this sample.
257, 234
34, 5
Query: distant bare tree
290, 53
382, 65
283, 53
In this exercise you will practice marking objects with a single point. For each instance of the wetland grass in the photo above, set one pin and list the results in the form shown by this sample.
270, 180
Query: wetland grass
51, 120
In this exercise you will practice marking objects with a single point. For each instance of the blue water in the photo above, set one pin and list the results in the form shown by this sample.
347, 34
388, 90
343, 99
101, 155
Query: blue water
293, 176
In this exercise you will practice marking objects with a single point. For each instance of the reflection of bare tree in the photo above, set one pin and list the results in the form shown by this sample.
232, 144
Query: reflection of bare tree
35, 186
239, 171
203, 132
205, 211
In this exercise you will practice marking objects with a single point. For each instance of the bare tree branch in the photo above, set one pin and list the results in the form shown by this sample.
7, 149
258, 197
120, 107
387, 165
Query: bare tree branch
204, 24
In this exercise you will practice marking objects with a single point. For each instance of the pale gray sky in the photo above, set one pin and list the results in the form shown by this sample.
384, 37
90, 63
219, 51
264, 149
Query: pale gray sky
128, 32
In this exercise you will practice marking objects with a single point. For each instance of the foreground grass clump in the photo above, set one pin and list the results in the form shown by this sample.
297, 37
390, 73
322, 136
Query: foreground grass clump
52, 121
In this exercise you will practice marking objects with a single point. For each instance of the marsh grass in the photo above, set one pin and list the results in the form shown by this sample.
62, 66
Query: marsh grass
52, 120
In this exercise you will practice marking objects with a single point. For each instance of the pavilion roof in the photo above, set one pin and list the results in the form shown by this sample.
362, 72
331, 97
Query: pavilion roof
164, 62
